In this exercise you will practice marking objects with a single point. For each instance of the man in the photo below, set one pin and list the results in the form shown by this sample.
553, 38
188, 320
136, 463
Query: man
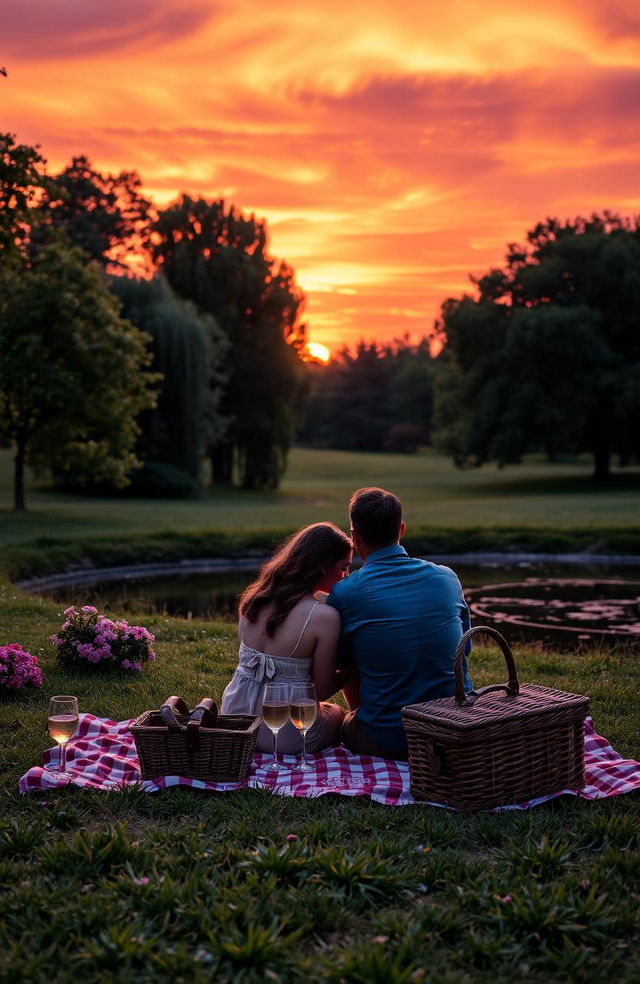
402, 619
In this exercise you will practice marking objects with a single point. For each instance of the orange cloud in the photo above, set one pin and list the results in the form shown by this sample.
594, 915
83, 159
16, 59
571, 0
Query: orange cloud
393, 148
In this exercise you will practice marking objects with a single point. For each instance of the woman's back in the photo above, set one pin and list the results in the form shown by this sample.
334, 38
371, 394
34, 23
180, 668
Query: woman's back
287, 636
295, 637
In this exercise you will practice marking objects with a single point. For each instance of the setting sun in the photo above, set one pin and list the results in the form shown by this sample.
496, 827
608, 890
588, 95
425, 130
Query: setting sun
315, 350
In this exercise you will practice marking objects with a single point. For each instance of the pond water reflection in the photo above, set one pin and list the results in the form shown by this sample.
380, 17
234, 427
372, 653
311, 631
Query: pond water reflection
560, 603
564, 611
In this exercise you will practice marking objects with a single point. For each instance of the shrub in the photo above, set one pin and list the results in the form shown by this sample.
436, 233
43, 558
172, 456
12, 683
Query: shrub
90, 639
404, 438
19, 670
162, 480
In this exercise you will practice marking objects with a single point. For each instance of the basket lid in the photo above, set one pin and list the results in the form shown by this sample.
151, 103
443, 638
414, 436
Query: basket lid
531, 702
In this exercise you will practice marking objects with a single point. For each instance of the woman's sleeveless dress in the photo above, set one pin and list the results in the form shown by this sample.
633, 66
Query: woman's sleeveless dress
244, 693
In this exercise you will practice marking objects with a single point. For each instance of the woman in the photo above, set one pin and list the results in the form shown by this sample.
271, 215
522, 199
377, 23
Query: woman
287, 635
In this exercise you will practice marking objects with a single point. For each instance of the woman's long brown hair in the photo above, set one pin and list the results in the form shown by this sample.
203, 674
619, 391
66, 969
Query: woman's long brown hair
295, 570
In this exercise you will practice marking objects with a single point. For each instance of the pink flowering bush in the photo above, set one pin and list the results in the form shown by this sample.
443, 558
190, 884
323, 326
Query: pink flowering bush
90, 639
19, 670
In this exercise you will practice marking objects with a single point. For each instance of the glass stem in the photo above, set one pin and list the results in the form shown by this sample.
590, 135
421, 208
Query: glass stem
275, 747
304, 747
63, 756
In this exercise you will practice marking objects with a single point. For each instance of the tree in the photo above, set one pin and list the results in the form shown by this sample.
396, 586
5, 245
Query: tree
217, 258
103, 214
378, 397
21, 182
411, 391
71, 384
548, 354
188, 350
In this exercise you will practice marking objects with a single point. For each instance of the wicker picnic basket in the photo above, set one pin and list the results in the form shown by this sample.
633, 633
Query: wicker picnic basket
197, 744
502, 744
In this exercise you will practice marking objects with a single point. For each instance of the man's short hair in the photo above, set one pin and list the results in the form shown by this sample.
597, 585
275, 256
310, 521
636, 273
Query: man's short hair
376, 516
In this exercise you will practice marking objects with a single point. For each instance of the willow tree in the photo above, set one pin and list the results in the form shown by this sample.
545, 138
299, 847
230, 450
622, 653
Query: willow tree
547, 355
188, 349
218, 258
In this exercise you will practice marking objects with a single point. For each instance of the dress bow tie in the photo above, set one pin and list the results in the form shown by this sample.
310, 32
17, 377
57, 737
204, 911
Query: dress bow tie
258, 661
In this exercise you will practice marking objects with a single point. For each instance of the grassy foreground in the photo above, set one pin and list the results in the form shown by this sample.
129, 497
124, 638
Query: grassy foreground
192, 887
187, 887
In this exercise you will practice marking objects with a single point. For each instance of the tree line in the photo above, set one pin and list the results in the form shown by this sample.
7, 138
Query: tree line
376, 397
544, 355
133, 380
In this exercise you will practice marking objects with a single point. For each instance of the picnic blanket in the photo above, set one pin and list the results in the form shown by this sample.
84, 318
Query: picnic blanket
102, 755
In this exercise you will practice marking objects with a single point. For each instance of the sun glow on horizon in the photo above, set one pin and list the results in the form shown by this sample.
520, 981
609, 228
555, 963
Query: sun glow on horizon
317, 351
393, 148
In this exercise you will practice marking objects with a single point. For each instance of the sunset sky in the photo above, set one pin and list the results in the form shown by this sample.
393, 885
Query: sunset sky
392, 146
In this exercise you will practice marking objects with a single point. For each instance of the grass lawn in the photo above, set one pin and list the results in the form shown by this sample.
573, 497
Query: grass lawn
185, 887
318, 485
193, 887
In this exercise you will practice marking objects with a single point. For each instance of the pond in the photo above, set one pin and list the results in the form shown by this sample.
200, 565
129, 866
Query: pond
566, 604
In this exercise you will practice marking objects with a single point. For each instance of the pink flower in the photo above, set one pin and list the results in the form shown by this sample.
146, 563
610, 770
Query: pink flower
18, 668
89, 637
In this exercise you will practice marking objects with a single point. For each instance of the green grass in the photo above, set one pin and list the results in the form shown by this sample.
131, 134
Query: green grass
193, 887
318, 485
535, 507
122, 887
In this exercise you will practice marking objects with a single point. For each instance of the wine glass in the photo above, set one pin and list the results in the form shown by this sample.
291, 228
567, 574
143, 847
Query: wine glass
303, 710
61, 725
275, 714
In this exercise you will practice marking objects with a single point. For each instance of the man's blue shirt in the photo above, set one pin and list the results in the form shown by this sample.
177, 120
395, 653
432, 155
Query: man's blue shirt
402, 619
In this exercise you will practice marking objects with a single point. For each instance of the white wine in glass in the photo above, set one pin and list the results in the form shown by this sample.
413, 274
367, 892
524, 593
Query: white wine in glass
275, 714
62, 724
303, 710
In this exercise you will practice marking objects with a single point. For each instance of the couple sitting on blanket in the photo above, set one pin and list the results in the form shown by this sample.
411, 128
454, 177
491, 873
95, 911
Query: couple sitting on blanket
386, 636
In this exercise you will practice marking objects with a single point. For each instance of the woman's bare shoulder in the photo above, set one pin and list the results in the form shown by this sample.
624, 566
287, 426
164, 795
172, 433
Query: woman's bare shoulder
326, 615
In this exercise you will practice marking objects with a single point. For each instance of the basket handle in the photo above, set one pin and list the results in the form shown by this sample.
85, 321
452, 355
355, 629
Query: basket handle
205, 713
172, 706
512, 687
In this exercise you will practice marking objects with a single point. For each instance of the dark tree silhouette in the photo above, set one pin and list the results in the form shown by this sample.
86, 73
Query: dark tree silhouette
216, 257
547, 355
378, 397
103, 214
22, 181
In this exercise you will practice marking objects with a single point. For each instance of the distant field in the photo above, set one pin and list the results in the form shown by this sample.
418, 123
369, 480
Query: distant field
318, 484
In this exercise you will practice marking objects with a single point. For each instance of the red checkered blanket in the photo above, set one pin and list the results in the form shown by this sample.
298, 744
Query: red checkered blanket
102, 755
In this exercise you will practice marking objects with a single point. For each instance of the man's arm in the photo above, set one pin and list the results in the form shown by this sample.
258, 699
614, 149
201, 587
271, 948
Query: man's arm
346, 677
349, 682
